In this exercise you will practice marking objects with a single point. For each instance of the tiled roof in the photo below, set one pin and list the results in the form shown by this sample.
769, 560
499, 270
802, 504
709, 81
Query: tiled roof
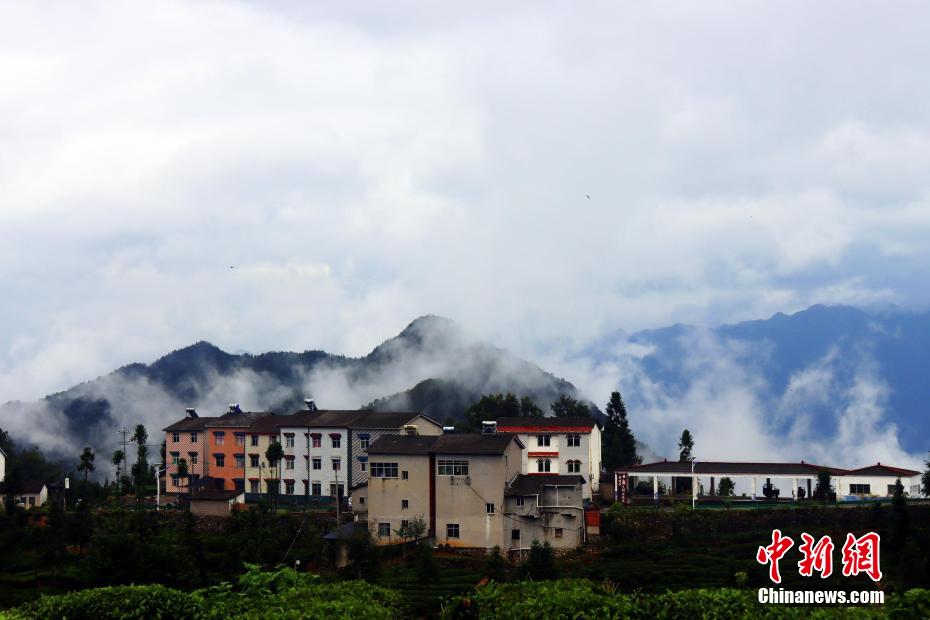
705, 468
523, 484
882, 470
237, 419
188, 424
538, 423
356, 418
443, 444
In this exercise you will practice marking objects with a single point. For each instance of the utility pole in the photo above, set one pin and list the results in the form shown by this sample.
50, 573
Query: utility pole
336, 471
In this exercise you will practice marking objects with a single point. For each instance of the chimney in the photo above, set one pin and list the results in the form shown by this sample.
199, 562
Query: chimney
234, 408
311, 405
410, 429
191, 413
802, 461
448, 430
488, 427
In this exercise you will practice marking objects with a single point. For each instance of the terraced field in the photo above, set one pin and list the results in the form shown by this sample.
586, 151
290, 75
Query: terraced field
456, 576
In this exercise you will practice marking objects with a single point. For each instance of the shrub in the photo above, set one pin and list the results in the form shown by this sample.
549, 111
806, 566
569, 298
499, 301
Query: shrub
143, 602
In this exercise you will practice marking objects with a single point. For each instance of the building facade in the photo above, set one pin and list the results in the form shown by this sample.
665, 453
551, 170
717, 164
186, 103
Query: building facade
2, 465
548, 508
329, 448
185, 439
559, 446
455, 483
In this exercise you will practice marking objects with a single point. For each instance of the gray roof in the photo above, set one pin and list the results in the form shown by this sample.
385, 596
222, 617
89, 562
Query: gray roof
883, 470
189, 424
356, 418
706, 468
443, 444
533, 484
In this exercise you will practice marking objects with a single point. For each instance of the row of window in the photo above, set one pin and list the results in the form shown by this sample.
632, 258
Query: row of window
453, 530
191, 458
219, 439
572, 441
316, 462
316, 488
571, 466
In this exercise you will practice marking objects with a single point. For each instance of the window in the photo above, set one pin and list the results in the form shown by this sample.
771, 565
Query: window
558, 532
240, 461
453, 468
404, 475
404, 523
219, 438
240, 440
337, 464
175, 437
364, 465
193, 437
270, 485
890, 489
337, 441
383, 470
253, 460
289, 464
316, 440
193, 457
384, 530
220, 460
514, 534
574, 441
316, 489
317, 463
520, 501
542, 440
574, 467
288, 441
175, 457
543, 465
253, 486
361, 500
254, 440
332, 489
363, 440
289, 487
489, 509
404, 504
452, 530
865, 489
174, 479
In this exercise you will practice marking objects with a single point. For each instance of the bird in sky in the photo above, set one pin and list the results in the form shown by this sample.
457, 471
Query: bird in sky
589, 196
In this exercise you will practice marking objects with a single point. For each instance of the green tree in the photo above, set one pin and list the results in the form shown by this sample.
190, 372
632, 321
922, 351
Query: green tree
685, 447
900, 521
496, 406
726, 486
540, 565
118, 457
274, 454
568, 407
619, 442
183, 473
87, 462
495, 567
413, 529
824, 485
140, 470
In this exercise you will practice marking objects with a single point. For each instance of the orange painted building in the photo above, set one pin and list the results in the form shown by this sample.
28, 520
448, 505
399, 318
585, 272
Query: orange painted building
226, 446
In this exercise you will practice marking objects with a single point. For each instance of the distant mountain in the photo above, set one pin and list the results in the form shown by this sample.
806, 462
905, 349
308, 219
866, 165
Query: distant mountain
818, 363
431, 366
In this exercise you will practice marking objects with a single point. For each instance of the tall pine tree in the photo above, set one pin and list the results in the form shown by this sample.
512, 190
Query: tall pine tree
619, 442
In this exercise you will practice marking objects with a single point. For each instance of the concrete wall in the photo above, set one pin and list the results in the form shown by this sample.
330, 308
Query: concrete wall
386, 495
878, 485
545, 519
463, 501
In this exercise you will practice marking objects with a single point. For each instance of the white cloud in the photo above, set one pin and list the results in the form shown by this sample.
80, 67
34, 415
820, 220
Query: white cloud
359, 169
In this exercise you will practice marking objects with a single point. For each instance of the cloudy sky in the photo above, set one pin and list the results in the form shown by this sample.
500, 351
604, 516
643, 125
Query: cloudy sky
362, 165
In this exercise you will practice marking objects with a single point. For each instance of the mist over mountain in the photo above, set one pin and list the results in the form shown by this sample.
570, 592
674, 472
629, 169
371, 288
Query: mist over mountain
834, 383
431, 366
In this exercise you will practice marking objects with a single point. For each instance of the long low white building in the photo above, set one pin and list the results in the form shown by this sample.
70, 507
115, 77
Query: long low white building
793, 480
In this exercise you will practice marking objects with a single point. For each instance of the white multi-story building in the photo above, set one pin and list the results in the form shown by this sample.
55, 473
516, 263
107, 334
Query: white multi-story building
2, 465
558, 446
328, 449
